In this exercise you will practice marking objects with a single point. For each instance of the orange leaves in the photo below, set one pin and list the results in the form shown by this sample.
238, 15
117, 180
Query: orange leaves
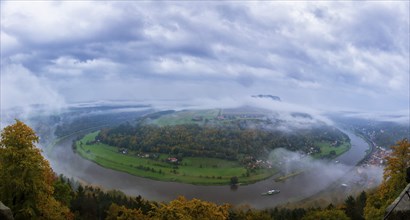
181, 208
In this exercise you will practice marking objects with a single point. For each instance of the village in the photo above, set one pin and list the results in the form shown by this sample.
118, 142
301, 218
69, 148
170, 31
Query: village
377, 157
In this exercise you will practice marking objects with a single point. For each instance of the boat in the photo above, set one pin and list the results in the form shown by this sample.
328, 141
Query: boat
271, 192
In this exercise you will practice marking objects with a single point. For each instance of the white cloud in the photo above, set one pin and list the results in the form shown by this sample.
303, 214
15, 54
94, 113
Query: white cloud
184, 65
47, 22
328, 54
70, 66
9, 43
20, 87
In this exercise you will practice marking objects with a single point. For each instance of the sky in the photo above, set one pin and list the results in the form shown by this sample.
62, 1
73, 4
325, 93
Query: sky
326, 55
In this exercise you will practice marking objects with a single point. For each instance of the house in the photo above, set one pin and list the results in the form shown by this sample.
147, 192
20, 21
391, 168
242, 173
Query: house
172, 159
123, 151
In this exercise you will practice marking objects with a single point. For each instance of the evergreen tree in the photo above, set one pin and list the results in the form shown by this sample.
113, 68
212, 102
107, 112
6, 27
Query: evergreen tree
332, 214
360, 204
350, 207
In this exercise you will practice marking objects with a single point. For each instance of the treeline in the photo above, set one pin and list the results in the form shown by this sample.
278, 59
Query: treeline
87, 202
382, 133
216, 142
385, 133
71, 122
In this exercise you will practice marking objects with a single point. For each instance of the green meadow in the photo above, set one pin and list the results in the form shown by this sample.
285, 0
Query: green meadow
187, 117
326, 149
193, 170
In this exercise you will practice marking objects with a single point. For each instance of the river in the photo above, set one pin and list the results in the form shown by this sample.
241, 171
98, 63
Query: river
63, 160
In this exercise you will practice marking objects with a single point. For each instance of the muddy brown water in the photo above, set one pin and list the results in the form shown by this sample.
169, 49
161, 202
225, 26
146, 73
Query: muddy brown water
65, 161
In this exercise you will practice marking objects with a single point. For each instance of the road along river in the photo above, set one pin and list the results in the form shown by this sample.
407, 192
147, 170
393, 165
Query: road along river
63, 160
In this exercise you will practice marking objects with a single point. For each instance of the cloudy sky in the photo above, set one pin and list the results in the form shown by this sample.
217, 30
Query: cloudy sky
326, 55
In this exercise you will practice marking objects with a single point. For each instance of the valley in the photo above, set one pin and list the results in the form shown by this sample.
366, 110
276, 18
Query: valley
320, 175
207, 147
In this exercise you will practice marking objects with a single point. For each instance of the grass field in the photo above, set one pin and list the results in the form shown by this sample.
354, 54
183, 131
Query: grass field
194, 170
326, 148
206, 117
187, 117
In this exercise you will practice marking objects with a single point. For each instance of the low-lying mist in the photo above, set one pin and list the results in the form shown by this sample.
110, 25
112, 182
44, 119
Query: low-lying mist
330, 174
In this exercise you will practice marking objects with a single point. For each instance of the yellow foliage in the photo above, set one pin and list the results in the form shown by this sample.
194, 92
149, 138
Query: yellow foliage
394, 178
178, 209
116, 212
26, 178
333, 214
184, 209
394, 181
53, 209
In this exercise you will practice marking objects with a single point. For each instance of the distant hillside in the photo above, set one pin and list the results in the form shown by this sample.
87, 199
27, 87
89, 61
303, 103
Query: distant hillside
382, 133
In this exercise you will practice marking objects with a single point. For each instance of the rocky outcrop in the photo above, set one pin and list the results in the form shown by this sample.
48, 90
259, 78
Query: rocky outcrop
272, 97
5, 212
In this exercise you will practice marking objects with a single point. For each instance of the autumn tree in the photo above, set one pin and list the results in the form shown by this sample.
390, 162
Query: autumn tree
116, 212
394, 181
245, 212
178, 209
26, 178
184, 209
330, 214
394, 178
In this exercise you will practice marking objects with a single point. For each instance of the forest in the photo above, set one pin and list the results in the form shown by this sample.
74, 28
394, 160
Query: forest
233, 143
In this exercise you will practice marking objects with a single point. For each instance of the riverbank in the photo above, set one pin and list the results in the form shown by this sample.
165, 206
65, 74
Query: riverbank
64, 161
192, 170
355, 180
285, 177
